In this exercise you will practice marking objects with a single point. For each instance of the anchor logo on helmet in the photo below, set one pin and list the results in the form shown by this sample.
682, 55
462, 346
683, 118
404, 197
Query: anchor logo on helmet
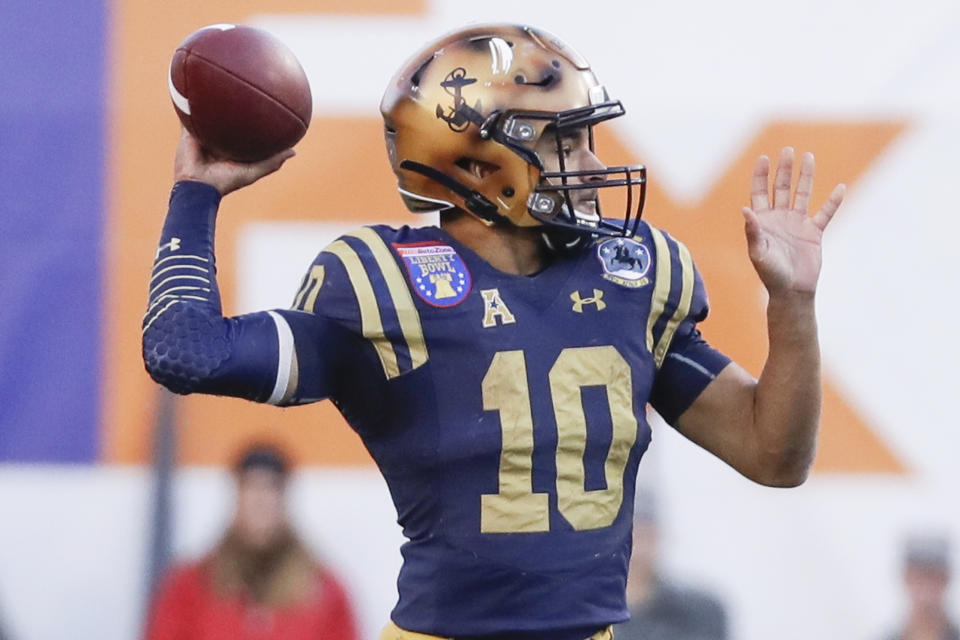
453, 84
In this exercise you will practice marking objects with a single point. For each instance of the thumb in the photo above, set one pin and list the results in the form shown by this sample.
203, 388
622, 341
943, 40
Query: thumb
756, 244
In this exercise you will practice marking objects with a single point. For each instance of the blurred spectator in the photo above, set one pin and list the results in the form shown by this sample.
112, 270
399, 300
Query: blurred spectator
926, 575
260, 582
659, 608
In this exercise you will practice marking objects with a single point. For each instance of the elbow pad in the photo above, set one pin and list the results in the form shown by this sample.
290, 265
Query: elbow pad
191, 348
185, 346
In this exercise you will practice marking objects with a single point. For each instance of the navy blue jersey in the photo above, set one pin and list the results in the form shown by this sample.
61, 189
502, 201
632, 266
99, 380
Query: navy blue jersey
506, 413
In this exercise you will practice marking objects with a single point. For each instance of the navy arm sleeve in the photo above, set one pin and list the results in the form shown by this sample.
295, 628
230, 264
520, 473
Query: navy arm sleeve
690, 363
281, 357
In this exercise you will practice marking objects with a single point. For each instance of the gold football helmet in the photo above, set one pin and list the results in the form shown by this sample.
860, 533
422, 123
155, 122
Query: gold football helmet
463, 116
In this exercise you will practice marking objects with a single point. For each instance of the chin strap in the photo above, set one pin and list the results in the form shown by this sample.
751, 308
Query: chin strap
563, 241
474, 201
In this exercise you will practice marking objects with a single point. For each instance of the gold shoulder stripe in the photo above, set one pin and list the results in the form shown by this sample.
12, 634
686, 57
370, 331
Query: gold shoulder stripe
407, 312
370, 323
683, 307
313, 284
661, 288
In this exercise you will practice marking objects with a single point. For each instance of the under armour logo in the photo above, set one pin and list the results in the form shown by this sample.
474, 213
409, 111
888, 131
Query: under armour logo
597, 299
173, 245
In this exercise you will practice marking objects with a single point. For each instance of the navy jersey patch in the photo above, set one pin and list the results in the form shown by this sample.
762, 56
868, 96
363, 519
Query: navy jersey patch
625, 262
437, 272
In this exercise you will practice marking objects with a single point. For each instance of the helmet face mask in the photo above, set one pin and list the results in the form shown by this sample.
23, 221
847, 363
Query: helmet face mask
551, 201
468, 118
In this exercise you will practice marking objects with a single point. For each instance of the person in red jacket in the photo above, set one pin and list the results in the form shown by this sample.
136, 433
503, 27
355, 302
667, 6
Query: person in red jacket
260, 582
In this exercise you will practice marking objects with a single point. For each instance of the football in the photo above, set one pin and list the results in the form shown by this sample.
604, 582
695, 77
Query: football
240, 91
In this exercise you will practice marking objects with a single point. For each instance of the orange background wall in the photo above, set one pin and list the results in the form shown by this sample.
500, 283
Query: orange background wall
338, 151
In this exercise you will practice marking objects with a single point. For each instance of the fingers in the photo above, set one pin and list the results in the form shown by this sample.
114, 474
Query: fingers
801, 199
823, 217
236, 175
759, 187
781, 184
274, 162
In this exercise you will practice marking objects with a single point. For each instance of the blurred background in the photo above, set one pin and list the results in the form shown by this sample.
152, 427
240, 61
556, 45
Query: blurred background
89, 507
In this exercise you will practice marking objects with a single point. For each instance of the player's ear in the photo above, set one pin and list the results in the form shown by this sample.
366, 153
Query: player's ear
478, 168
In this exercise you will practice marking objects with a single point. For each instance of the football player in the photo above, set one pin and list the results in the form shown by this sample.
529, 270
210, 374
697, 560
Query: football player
497, 367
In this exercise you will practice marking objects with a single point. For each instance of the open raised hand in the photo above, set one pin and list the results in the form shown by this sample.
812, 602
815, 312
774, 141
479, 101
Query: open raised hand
783, 240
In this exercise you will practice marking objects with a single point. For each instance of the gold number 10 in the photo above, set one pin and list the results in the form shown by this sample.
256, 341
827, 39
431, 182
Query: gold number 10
516, 508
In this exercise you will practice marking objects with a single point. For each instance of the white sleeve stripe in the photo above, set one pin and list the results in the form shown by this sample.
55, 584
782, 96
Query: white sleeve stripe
179, 266
286, 354
159, 313
185, 256
177, 279
693, 363
173, 296
166, 293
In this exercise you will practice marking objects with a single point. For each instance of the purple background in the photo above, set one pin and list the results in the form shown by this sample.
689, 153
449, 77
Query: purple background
52, 168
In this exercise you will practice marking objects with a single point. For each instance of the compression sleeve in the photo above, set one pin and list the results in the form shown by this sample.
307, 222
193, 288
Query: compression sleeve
686, 362
188, 346
690, 365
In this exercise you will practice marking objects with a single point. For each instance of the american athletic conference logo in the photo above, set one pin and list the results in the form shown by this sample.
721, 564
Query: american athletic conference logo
625, 262
437, 273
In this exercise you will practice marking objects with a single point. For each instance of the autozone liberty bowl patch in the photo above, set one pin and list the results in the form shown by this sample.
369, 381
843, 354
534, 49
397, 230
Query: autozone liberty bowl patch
625, 262
437, 273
